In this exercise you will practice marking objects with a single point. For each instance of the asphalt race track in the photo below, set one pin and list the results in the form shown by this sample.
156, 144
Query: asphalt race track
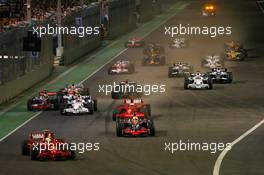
219, 115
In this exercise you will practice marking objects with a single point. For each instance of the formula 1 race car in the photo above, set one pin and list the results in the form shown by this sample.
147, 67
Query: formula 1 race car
154, 48
44, 146
78, 105
212, 61
234, 51
122, 67
178, 43
179, 70
135, 42
130, 106
152, 60
126, 89
74, 89
220, 75
198, 81
136, 124
208, 10
44, 101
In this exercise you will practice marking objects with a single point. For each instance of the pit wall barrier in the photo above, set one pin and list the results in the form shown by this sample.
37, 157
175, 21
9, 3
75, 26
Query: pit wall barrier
122, 18
75, 46
32, 69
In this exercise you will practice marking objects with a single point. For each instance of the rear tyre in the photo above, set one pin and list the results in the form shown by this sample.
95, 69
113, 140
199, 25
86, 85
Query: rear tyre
170, 72
151, 129
25, 148
186, 82
29, 105
230, 77
34, 154
119, 128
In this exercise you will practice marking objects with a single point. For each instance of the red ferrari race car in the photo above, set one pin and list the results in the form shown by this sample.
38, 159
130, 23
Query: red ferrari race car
44, 146
136, 124
135, 42
74, 89
129, 107
45, 100
122, 67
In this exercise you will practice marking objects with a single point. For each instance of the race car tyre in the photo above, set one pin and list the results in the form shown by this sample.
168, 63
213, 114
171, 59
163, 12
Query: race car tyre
90, 106
95, 105
55, 102
230, 77
170, 72
186, 82
119, 128
29, 105
110, 71
25, 148
34, 154
210, 83
73, 155
151, 129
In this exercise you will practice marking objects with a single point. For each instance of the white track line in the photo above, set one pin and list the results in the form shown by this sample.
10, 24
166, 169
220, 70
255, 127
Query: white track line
180, 8
261, 8
25, 122
226, 150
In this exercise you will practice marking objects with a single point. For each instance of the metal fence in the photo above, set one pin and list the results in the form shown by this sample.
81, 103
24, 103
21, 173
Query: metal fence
14, 62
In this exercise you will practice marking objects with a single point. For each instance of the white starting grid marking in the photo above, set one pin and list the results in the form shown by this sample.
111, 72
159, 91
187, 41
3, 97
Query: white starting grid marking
223, 153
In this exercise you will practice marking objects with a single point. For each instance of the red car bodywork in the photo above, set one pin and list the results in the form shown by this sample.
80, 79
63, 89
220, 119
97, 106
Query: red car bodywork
135, 42
39, 149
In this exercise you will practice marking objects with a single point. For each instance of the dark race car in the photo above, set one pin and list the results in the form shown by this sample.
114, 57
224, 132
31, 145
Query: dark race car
44, 101
129, 107
136, 124
125, 89
154, 48
221, 75
179, 70
234, 51
135, 42
122, 67
44, 146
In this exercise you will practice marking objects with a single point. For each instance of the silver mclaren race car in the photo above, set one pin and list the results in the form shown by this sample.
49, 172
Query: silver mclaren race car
212, 61
179, 70
178, 43
198, 80
221, 75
